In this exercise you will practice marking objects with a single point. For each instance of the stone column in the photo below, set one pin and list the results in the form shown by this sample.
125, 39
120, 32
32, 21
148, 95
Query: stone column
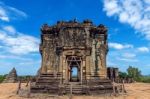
66, 70
103, 69
81, 71
43, 67
63, 66
88, 70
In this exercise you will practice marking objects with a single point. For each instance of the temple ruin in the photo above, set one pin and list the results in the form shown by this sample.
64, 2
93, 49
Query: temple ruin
11, 77
73, 59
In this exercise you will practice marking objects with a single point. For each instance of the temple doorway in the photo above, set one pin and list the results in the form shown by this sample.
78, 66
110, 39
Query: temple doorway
74, 63
74, 74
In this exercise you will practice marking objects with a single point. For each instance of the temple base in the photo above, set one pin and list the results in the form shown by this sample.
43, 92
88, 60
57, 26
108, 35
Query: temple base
52, 84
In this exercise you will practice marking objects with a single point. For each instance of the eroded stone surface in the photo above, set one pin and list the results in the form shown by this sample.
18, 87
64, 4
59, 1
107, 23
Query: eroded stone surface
68, 45
11, 77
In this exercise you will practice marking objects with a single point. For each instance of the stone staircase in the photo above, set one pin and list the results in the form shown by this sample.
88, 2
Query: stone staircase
50, 83
46, 83
100, 86
74, 88
90, 87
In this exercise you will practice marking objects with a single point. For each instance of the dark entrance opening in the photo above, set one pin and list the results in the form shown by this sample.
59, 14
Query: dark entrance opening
74, 63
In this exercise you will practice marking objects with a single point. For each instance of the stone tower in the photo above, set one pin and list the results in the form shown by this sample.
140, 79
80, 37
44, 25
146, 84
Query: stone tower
11, 77
69, 45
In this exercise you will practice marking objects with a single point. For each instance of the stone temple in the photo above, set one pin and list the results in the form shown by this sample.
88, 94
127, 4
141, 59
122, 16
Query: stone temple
73, 59
11, 77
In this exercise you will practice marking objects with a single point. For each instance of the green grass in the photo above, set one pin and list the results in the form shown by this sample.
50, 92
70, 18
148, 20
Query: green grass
145, 79
2, 77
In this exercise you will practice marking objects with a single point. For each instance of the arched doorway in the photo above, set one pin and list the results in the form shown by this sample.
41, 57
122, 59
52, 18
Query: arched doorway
74, 74
74, 63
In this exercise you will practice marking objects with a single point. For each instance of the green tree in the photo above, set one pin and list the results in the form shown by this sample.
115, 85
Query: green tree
123, 74
133, 72
2, 77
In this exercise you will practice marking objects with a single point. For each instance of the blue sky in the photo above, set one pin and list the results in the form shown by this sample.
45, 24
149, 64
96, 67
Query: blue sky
128, 23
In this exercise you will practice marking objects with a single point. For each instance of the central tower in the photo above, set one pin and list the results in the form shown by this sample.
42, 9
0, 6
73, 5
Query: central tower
72, 44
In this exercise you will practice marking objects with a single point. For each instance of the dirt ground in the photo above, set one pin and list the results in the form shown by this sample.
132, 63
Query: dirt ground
134, 91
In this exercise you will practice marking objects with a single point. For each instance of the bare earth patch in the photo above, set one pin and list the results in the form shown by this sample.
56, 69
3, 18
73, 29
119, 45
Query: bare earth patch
134, 91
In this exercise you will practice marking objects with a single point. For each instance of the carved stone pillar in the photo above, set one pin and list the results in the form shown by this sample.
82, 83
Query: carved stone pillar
88, 68
63, 67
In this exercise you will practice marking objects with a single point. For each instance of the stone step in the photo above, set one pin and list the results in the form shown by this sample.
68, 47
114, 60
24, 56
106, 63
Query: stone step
76, 89
47, 80
50, 75
44, 89
47, 83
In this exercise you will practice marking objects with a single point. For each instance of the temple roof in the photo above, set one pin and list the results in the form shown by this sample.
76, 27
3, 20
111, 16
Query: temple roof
73, 24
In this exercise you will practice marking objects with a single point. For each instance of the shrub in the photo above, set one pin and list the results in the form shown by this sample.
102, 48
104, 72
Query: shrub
2, 77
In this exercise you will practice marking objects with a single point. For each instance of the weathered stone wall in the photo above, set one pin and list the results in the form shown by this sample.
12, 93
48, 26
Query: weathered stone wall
11, 77
68, 45
74, 39
112, 73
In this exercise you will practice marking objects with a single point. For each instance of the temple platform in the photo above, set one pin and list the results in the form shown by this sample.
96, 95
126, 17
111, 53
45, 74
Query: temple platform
52, 84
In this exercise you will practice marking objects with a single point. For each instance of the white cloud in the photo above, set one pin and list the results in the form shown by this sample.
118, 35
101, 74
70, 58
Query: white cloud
110, 63
119, 46
129, 55
123, 17
9, 29
147, 1
111, 5
18, 12
136, 13
14, 57
22, 44
143, 49
17, 49
127, 59
7, 13
18, 43
3, 15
